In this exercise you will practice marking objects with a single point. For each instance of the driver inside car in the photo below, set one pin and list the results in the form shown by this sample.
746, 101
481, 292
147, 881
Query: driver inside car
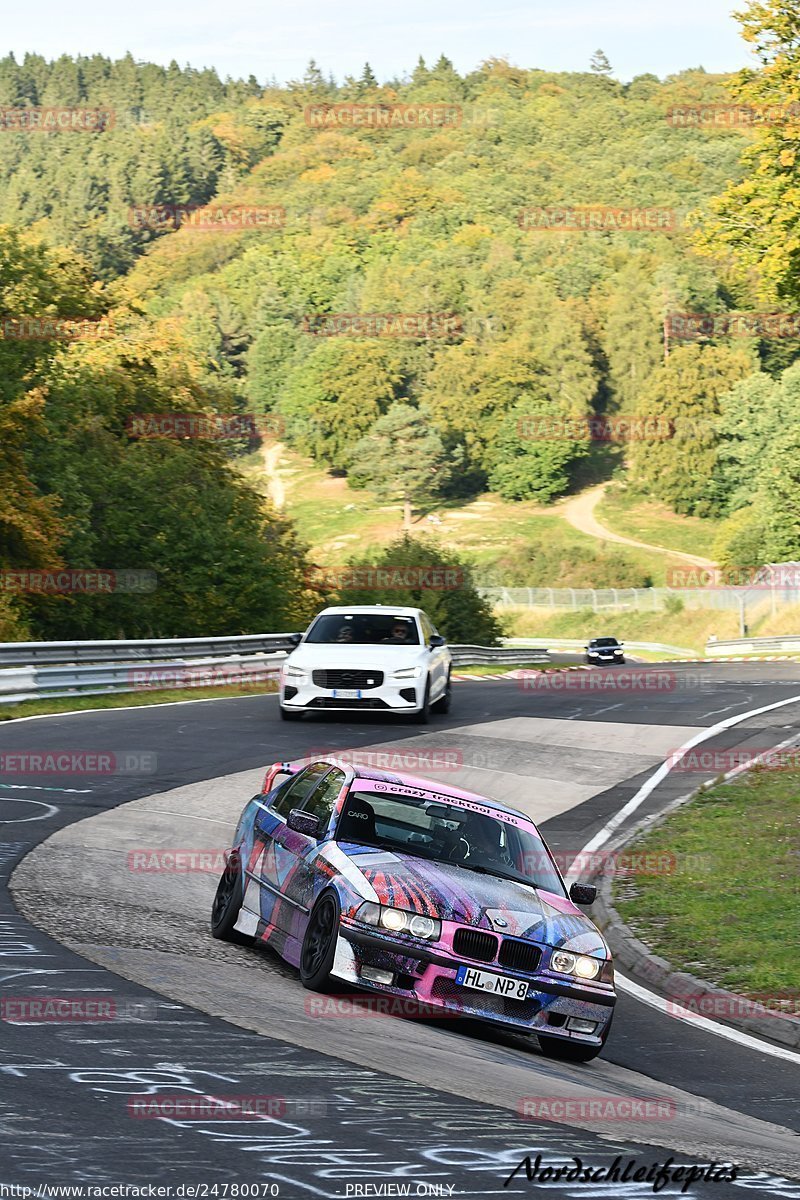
479, 842
399, 632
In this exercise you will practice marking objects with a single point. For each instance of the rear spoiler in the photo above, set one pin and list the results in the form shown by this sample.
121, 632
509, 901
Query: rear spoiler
282, 768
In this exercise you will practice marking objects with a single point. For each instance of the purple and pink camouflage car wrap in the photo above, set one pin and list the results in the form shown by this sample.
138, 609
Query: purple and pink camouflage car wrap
487, 922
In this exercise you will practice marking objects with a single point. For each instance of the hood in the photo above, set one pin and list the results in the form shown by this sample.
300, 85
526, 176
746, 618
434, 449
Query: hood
453, 893
382, 656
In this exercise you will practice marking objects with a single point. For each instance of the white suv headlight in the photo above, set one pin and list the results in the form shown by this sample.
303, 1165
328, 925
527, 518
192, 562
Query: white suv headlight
408, 673
294, 673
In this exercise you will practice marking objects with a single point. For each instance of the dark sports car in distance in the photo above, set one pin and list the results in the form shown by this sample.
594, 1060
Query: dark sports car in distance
605, 650
418, 890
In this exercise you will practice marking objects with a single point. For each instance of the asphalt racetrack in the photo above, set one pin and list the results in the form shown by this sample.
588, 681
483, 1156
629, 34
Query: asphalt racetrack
358, 1105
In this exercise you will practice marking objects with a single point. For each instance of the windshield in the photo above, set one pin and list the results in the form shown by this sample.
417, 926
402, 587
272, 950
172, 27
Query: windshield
363, 629
605, 642
448, 833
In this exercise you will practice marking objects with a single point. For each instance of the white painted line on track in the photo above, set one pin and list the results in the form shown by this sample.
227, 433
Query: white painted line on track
80, 712
672, 1009
600, 838
34, 787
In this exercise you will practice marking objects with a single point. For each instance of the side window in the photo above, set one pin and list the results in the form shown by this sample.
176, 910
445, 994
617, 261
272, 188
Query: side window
320, 802
296, 790
427, 628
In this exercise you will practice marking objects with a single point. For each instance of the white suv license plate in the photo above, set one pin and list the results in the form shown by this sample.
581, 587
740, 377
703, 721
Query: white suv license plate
486, 981
346, 694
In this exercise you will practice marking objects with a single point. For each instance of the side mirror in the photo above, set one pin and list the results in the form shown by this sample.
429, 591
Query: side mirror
303, 822
437, 640
294, 639
583, 893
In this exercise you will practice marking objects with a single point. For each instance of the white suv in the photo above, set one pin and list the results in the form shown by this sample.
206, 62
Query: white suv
367, 657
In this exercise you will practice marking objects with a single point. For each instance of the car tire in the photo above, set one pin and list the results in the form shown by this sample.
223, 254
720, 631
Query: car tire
287, 714
622, 661
560, 1048
319, 944
442, 705
227, 904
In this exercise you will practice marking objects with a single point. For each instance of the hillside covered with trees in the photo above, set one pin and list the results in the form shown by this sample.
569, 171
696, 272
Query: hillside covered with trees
415, 286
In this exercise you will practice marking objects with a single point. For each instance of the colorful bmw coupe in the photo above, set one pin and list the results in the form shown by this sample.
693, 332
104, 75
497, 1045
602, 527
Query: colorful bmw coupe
422, 891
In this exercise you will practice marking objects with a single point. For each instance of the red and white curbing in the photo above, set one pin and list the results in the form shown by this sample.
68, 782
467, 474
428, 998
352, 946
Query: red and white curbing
660, 663
521, 672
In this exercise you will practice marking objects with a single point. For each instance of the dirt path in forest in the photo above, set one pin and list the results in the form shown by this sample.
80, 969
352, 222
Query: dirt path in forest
579, 512
275, 485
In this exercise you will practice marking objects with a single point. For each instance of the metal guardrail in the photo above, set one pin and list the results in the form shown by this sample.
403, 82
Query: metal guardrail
100, 679
30, 653
43, 670
579, 643
482, 655
785, 644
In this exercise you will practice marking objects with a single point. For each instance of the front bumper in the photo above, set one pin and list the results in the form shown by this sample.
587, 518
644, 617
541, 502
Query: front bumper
393, 695
426, 974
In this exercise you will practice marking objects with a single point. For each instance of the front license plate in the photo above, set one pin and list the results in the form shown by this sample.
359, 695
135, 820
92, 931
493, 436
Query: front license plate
346, 694
486, 981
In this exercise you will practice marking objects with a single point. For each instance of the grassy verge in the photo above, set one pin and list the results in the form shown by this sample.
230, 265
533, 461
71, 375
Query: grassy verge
689, 629
653, 522
38, 708
730, 911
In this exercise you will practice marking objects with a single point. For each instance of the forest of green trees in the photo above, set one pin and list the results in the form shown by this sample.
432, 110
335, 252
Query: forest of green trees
418, 219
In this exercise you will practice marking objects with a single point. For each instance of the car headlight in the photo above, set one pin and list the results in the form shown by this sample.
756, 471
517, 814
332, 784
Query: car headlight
400, 920
618, 651
408, 673
294, 673
580, 965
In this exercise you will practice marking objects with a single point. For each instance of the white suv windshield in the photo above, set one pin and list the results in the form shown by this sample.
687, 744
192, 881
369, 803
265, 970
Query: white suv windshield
363, 629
